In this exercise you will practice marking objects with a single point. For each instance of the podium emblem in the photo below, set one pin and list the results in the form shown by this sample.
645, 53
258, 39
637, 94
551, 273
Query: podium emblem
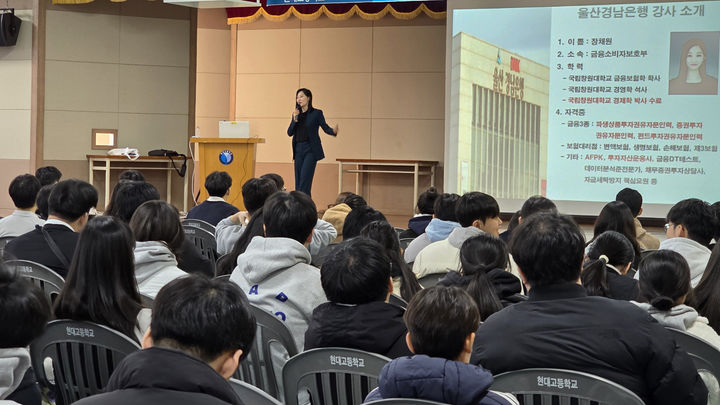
226, 157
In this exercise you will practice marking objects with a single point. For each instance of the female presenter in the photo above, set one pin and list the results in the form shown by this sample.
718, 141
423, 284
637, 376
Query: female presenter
307, 149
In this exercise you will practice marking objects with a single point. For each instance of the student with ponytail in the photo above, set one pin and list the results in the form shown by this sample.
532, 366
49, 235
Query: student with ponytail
664, 285
604, 274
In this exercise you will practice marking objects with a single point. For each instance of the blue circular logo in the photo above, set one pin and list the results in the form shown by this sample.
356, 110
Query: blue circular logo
226, 157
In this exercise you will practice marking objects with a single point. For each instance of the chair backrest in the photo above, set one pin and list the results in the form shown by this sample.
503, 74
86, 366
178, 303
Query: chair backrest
395, 300
83, 355
333, 375
403, 401
556, 385
203, 240
198, 223
706, 359
431, 279
3, 242
251, 395
257, 368
146, 301
404, 242
49, 282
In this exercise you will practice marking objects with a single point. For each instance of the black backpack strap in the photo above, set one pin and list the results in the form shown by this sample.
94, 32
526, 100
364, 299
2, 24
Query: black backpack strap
55, 249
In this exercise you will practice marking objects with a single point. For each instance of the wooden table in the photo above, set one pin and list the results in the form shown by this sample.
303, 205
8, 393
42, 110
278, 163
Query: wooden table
415, 167
107, 163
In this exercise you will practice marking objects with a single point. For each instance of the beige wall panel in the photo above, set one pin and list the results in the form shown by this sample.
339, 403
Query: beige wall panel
212, 18
68, 133
408, 95
266, 95
213, 51
153, 89
353, 141
16, 87
277, 146
154, 131
409, 49
208, 126
420, 20
336, 49
212, 98
23, 48
268, 51
408, 139
82, 37
155, 9
14, 134
340, 95
76, 86
9, 169
154, 41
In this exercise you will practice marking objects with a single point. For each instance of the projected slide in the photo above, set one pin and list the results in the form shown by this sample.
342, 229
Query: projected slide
579, 102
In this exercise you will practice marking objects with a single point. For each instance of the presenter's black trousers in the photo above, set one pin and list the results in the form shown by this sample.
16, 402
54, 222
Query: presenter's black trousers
304, 167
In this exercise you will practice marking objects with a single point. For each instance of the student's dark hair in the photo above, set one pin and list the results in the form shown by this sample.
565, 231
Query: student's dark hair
426, 201
716, 209
619, 252
439, 319
25, 310
632, 198
479, 255
356, 272
535, 204
23, 190
475, 206
356, 220
48, 175
514, 222
158, 221
548, 248
128, 196
70, 199
218, 183
697, 217
254, 228
340, 199
101, 286
664, 277
42, 201
202, 317
445, 207
132, 175
384, 233
289, 215
354, 201
705, 298
276, 178
256, 191
616, 216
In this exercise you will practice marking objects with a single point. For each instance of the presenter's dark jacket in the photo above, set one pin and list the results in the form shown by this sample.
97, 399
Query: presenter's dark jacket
561, 327
313, 120
158, 376
33, 246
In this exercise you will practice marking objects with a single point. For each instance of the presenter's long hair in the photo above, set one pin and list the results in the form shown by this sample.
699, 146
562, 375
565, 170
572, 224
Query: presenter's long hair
101, 286
307, 93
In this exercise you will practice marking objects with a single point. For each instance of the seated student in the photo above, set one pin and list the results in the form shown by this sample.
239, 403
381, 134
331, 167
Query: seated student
53, 244
187, 355
424, 214
483, 274
616, 216
275, 270
256, 227
42, 201
605, 272
353, 223
356, 280
405, 283
48, 175
25, 312
214, 208
276, 178
633, 199
690, 228
128, 196
439, 228
705, 298
100, 286
561, 327
663, 288
477, 213
441, 326
337, 212
131, 175
532, 205
158, 235
23, 191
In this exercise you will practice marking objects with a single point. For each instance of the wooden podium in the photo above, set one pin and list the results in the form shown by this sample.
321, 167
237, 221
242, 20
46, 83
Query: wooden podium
233, 155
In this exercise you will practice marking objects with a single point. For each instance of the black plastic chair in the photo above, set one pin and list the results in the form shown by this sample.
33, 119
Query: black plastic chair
706, 359
404, 242
550, 386
3, 242
251, 395
83, 355
395, 300
198, 223
332, 376
146, 301
49, 282
204, 241
403, 401
431, 279
257, 368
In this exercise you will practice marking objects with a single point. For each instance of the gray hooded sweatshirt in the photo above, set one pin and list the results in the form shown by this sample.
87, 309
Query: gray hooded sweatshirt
276, 275
155, 266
